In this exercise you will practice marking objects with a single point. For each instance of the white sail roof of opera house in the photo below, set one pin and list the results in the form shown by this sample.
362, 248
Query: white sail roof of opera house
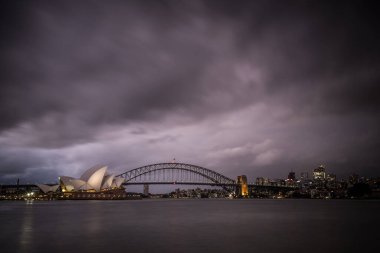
117, 182
107, 181
95, 178
48, 188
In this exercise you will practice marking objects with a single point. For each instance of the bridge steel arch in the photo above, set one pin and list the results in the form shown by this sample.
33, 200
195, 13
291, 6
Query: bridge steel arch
213, 178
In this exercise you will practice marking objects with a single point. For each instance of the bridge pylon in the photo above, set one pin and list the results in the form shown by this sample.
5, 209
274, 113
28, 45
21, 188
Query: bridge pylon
146, 189
242, 186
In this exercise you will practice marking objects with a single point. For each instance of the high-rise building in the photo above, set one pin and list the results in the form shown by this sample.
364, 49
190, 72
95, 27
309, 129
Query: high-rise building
319, 173
292, 176
304, 175
243, 185
353, 179
331, 177
260, 181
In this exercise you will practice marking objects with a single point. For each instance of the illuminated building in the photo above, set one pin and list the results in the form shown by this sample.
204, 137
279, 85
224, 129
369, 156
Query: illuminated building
94, 183
243, 185
319, 173
331, 177
260, 181
94, 179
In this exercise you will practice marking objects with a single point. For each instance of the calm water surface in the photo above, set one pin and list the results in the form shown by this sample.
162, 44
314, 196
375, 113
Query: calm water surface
190, 226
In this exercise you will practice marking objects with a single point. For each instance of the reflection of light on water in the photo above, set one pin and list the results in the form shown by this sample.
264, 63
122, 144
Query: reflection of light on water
26, 232
29, 201
93, 225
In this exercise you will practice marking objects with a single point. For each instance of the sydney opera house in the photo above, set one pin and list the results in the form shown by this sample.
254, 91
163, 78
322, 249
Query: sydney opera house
95, 183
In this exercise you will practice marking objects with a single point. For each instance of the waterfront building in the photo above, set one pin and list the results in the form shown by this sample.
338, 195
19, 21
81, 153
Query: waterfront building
94, 183
94, 179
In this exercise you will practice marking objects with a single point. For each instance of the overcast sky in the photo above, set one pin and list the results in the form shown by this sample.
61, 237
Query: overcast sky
241, 87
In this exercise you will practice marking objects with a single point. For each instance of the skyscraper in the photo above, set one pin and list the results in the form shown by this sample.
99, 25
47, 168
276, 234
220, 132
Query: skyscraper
319, 173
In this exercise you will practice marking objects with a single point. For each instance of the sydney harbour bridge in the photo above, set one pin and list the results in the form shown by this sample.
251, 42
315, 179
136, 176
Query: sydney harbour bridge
188, 174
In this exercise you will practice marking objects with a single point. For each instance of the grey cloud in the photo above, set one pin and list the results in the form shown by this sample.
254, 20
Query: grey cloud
27, 165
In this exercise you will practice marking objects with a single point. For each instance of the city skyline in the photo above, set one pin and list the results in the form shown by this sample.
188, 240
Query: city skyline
306, 174
97, 183
257, 88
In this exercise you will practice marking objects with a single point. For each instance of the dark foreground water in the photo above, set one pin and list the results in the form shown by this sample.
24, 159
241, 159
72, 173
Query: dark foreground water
190, 226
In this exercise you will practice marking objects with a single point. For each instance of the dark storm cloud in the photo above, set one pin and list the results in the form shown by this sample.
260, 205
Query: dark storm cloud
248, 86
128, 68
26, 164
108, 64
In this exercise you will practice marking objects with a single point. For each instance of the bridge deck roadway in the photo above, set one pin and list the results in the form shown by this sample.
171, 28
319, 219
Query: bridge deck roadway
211, 184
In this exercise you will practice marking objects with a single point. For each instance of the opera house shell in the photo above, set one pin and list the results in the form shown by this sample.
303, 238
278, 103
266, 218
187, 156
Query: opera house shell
94, 179
48, 188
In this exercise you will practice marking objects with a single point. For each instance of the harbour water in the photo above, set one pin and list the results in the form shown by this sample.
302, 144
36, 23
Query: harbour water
190, 225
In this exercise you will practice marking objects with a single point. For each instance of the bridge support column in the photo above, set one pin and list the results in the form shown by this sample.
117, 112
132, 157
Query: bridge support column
146, 189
